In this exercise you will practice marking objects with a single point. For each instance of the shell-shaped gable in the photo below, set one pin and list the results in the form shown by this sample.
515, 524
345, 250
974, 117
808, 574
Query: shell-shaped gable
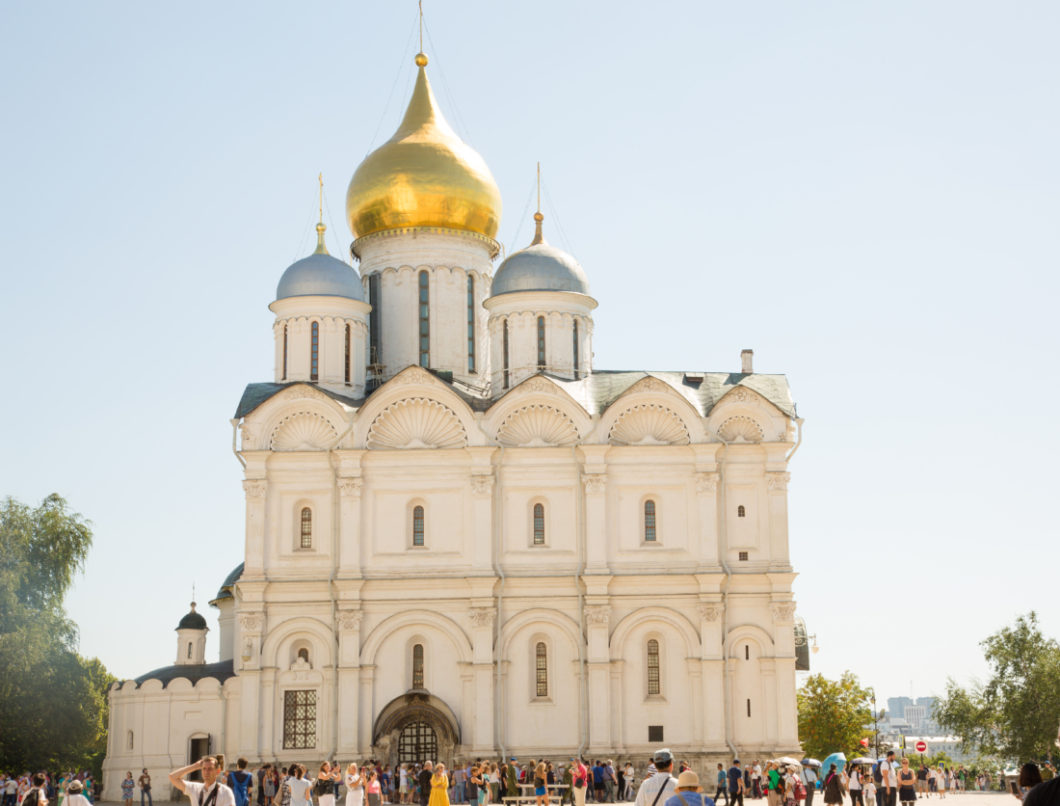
648, 424
741, 428
416, 422
303, 431
537, 425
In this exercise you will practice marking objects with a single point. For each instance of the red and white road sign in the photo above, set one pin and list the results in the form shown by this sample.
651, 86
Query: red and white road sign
921, 747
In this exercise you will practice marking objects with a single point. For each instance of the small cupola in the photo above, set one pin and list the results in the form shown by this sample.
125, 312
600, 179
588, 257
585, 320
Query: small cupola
191, 639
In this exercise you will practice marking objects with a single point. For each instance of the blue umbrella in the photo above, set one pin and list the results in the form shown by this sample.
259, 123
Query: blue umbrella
839, 759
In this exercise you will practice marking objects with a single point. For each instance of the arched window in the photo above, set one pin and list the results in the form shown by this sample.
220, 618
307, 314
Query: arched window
417, 526
347, 354
132, 741
541, 668
653, 667
425, 320
748, 707
303, 654
417, 666
374, 317
575, 349
649, 521
539, 524
189, 650
504, 352
314, 353
306, 532
741, 512
540, 342
470, 324
283, 377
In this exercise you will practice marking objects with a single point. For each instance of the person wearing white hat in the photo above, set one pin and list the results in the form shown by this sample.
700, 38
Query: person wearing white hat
689, 792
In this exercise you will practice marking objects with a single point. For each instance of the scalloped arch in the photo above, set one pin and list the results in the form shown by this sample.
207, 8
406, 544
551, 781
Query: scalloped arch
416, 422
537, 425
741, 429
648, 424
303, 431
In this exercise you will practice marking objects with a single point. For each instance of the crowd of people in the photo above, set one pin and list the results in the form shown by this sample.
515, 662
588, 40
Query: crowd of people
40, 788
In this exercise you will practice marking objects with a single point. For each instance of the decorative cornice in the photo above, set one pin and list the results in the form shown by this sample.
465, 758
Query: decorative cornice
355, 249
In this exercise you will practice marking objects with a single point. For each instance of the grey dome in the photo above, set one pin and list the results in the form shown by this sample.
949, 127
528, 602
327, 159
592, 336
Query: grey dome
320, 275
192, 620
540, 267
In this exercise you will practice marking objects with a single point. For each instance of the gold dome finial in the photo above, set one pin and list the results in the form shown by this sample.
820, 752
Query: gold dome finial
538, 217
321, 249
421, 57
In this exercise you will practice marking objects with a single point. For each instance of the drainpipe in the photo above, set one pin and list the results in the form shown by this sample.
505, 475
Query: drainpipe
798, 440
579, 525
723, 546
235, 451
498, 569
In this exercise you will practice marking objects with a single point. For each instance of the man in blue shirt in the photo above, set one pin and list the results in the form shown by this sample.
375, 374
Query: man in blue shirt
735, 783
688, 793
240, 781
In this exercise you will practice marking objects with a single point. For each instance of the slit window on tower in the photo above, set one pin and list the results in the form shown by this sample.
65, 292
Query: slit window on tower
417, 666
283, 377
374, 317
649, 521
417, 526
314, 353
575, 349
653, 667
504, 351
425, 320
347, 354
539, 524
306, 541
470, 324
541, 668
540, 342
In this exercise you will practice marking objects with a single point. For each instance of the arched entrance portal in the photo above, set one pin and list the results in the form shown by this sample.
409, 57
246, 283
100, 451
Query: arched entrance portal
415, 727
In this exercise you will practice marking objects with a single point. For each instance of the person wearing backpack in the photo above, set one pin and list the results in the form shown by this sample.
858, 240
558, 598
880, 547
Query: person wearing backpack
35, 796
241, 782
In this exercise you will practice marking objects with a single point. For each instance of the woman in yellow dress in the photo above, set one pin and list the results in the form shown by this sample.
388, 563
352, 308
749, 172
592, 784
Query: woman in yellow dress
439, 787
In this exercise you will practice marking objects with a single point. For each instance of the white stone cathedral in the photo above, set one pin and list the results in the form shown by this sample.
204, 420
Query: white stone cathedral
464, 540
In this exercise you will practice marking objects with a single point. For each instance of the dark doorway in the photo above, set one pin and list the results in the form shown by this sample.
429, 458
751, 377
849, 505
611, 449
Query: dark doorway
197, 748
418, 743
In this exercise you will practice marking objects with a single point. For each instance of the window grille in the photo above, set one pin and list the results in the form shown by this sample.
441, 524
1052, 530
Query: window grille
417, 526
653, 667
306, 541
540, 342
347, 354
470, 324
541, 669
417, 666
539, 524
425, 320
299, 720
649, 521
314, 353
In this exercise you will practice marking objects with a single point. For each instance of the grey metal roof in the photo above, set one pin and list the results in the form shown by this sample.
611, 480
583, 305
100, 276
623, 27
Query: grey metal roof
320, 275
221, 670
225, 591
257, 393
540, 267
192, 621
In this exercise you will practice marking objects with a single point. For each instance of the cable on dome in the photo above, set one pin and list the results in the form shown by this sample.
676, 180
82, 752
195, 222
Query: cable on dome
466, 132
520, 221
567, 245
401, 72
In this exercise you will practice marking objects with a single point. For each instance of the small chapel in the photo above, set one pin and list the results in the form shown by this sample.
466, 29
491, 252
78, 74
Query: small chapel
465, 540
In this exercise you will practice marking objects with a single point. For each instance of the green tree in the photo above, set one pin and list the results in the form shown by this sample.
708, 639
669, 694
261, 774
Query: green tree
833, 715
1014, 714
53, 702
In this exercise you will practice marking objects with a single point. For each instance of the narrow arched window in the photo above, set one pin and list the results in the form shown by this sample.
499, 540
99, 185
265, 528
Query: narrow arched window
314, 352
303, 654
132, 739
541, 669
574, 346
741, 512
417, 666
470, 324
425, 320
504, 352
747, 652
189, 650
347, 354
283, 377
306, 537
649, 521
653, 667
374, 317
417, 526
539, 524
748, 707
540, 342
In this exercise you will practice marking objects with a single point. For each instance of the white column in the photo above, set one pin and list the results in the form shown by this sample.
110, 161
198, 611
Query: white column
482, 617
707, 506
349, 560
349, 681
777, 492
595, 522
365, 710
254, 554
713, 672
597, 617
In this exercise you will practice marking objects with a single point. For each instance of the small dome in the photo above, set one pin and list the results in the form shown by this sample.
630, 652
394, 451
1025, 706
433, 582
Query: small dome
423, 176
225, 591
192, 621
540, 267
320, 275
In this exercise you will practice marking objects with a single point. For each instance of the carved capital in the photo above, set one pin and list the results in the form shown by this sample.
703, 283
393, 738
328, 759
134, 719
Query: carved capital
597, 615
255, 488
350, 487
595, 483
778, 481
482, 483
251, 622
710, 611
706, 482
350, 620
482, 616
784, 612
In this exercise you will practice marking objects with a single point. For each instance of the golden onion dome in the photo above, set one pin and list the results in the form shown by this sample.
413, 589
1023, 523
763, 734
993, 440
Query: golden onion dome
423, 176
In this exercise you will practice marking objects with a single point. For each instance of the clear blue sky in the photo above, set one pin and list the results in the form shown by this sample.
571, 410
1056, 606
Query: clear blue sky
864, 194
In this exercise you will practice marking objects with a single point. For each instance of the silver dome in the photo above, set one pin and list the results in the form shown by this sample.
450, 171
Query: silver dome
540, 267
320, 275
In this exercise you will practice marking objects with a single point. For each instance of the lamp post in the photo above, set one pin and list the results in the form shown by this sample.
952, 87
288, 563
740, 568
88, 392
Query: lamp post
875, 724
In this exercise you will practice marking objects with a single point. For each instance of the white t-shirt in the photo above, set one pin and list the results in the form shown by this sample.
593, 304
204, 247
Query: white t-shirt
195, 789
887, 775
855, 780
299, 791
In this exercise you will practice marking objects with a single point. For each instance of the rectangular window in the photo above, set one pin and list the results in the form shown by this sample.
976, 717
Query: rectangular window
284, 376
314, 352
575, 347
541, 669
299, 720
470, 324
655, 733
649, 521
540, 343
539, 524
504, 350
653, 668
374, 318
744, 556
425, 320
417, 526
347, 355
417, 666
